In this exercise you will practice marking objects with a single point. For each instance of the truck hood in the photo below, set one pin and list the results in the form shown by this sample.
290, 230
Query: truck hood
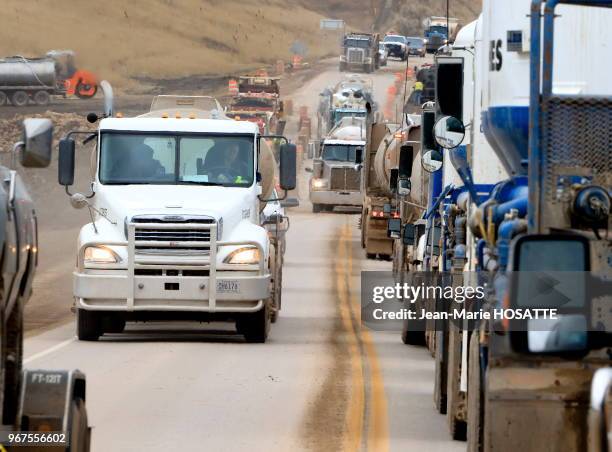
232, 204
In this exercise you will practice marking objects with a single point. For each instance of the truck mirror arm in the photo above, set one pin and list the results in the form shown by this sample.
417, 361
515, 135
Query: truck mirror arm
282, 198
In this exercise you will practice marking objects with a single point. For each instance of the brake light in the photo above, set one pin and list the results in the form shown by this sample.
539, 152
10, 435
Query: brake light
395, 214
378, 214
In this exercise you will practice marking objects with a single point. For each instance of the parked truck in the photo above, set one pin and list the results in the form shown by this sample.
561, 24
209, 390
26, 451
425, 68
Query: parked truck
336, 176
177, 233
379, 181
48, 402
437, 32
360, 52
24, 80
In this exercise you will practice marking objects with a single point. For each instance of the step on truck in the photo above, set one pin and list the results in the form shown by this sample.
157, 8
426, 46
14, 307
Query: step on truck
177, 234
336, 176
39, 408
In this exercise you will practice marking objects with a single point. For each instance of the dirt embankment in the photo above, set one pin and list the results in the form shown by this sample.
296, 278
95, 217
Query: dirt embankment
129, 42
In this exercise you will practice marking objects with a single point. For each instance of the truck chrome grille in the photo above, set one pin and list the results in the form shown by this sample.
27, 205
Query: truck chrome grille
355, 56
184, 240
345, 179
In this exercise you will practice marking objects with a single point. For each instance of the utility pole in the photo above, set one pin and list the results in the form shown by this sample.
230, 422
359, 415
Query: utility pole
447, 20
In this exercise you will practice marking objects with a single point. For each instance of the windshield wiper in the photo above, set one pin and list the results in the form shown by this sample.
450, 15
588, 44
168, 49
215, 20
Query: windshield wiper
207, 184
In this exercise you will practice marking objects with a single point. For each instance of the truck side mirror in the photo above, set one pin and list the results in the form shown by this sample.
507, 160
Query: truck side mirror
404, 187
37, 142
65, 166
405, 161
449, 132
432, 161
409, 234
359, 156
393, 178
288, 163
394, 227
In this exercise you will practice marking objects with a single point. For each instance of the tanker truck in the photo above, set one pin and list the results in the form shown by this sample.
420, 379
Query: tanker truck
336, 177
380, 178
23, 80
41, 409
529, 382
172, 241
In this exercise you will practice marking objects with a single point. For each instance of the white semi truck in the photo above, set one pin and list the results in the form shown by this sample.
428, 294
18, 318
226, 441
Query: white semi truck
176, 231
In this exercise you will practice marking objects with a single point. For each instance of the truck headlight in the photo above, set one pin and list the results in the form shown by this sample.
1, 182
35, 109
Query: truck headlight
368, 60
248, 255
342, 57
319, 183
100, 255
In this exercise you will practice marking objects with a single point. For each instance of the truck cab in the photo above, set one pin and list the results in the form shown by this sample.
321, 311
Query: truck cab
360, 52
175, 234
336, 179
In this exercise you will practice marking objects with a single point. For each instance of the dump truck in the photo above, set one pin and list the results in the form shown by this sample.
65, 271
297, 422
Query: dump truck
336, 176
437, 33
49, 402
379, 179
170, 241
360, 52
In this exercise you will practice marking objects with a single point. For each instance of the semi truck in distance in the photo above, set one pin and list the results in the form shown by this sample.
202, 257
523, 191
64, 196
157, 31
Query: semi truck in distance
31, 400
360, 52
437, 32
176, 231
336, 176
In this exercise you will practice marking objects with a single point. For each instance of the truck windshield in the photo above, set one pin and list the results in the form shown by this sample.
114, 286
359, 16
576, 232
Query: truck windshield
400, 39
438, 29
360, 43
339, 153
415, 43
133, 158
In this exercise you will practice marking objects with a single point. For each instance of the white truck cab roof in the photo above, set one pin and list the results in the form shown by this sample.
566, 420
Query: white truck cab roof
150, 124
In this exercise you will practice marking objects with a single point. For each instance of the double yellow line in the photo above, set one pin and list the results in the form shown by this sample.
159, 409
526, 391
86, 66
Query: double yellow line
367, 425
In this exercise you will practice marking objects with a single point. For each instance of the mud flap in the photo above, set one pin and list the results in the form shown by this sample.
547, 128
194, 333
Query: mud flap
46, 398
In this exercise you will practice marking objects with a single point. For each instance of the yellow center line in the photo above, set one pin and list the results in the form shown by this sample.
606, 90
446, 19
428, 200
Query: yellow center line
356, 403
377, 417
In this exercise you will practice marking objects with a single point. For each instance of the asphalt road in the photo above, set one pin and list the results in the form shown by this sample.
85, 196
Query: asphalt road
321, 382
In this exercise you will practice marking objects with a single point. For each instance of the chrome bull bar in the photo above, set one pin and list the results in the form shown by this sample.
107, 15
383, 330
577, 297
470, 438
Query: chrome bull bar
208, 260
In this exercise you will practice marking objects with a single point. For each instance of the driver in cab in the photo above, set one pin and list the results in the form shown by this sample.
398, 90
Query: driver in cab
228, 163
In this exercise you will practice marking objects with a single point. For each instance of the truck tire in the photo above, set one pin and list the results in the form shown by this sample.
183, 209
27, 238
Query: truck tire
12, 357
20, 98
255, 327
316, 208
440, 360
3, 98
475, 398
454, 398
80, 433
42, 98
342, 67
89, 325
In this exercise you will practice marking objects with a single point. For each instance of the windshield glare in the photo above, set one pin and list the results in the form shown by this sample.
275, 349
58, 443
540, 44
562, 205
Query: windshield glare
339, 153
127, 158
395, 39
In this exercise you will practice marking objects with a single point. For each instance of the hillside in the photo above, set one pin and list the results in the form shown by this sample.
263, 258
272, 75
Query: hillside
128, 41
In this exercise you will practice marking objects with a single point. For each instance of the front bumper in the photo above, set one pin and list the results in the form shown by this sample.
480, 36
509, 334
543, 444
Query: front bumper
172, 283
336, 198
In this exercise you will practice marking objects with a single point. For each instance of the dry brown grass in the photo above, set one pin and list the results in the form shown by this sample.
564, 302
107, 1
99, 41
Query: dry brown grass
124, 40
121, 39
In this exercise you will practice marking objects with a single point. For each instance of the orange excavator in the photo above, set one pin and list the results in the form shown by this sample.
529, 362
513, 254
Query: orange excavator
77, 82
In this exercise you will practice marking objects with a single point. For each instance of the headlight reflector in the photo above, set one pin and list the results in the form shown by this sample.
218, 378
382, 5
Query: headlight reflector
319, 183
100, 255
247, 255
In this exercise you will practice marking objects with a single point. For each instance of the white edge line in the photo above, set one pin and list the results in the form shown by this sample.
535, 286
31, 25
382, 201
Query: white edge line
48, 351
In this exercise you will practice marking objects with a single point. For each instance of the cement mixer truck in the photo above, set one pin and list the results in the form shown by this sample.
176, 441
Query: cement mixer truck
176, 231
387, 144
537, 238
